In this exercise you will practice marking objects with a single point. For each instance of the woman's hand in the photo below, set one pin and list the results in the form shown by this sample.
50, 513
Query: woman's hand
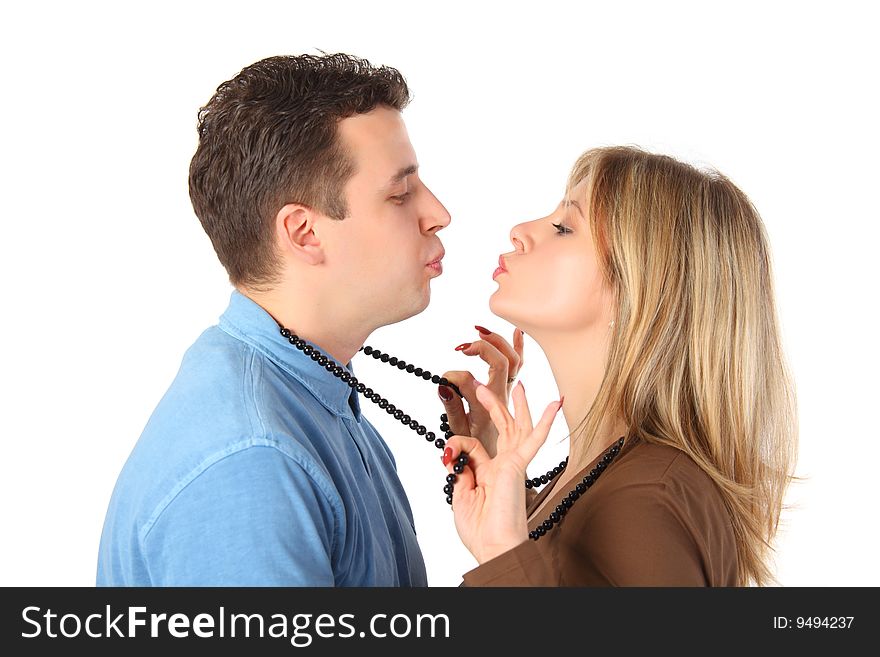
505, 362
489, 496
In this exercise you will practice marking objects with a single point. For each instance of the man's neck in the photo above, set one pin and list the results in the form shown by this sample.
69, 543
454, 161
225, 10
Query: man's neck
313, 317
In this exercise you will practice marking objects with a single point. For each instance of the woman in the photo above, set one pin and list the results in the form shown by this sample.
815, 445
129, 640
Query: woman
649, 289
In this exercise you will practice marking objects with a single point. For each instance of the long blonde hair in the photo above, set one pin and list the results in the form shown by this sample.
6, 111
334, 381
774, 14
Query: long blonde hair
695, 358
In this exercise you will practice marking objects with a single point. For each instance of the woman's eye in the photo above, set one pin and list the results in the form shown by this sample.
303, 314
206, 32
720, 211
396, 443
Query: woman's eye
561, 230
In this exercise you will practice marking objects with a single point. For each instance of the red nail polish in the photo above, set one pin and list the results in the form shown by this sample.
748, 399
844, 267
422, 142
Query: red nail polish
444, 393
482, 330
463, 346
447, 456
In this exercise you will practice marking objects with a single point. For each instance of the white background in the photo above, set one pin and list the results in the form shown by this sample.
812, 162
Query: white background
108, 276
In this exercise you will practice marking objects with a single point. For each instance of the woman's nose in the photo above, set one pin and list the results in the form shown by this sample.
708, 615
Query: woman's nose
518, 237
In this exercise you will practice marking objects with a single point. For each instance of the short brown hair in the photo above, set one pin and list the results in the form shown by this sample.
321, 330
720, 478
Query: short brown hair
268, 137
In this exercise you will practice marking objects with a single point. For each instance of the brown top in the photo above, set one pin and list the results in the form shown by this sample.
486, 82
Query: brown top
653, 518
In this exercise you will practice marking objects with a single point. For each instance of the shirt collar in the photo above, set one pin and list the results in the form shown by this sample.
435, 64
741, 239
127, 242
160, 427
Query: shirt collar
247, 321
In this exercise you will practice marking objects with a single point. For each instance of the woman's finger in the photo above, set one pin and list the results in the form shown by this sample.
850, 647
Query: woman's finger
455, 411
499, 366
514, 357
539, 435
522, 414
518, 348
456, 445
497, 411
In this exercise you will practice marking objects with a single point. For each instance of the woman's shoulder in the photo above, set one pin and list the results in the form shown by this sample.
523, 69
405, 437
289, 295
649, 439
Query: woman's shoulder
646, 463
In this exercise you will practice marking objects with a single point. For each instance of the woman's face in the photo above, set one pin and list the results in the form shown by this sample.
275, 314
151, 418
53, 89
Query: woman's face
553, 279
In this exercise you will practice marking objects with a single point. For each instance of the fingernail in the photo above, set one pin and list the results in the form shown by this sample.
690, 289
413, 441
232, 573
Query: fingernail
561, 401
445, 393
463, 346
447, 456
482, 330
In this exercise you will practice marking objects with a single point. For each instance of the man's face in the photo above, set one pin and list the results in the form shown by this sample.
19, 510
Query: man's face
380, 256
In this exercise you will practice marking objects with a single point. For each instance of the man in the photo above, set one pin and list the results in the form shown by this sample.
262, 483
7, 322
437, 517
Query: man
257, 467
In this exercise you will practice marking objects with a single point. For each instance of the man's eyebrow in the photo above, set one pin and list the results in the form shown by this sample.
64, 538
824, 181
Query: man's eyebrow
403, 173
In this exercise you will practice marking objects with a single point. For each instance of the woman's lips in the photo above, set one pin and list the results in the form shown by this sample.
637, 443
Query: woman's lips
501, 268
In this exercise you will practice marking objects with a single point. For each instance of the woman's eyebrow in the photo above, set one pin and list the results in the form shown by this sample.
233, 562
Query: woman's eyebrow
578, 206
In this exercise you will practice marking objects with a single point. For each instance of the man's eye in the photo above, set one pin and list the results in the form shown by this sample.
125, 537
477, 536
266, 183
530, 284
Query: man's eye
562, 230
401, 198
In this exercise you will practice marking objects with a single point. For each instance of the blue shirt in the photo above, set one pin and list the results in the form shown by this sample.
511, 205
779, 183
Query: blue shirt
257, 468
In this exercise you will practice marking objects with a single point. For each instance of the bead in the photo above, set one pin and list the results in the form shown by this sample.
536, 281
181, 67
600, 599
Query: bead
345, 376
414, 425
401, 364
368, 350
449, 499
450, 478
566, 503
458, 468
439, 443
444, 427
444, 417
285, 332
361, 387
385, 358
410, 368
378, 398
594, 473
308, 350
540, 531
544, 479
352, 383
533, 536
581, 488
405, 418
329, 366
600, 466
448, 435
421, 430
430, 435
547, 525
393, 360
315, 356
435, 379
322, 360
354, 380
426, 376
536, 482
560, 509
463, 459
383, 404
417, 371
528, 483
447, 489
397, 414
443, 381
368, 392
588, 480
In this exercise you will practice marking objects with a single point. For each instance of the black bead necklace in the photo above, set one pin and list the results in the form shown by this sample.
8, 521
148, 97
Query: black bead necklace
562, 508
341, 372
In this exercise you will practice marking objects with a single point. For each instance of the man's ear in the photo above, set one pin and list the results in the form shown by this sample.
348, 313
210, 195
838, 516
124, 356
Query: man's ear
294, 230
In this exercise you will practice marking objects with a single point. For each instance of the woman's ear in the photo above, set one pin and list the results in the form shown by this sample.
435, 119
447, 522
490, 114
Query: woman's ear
295, 234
